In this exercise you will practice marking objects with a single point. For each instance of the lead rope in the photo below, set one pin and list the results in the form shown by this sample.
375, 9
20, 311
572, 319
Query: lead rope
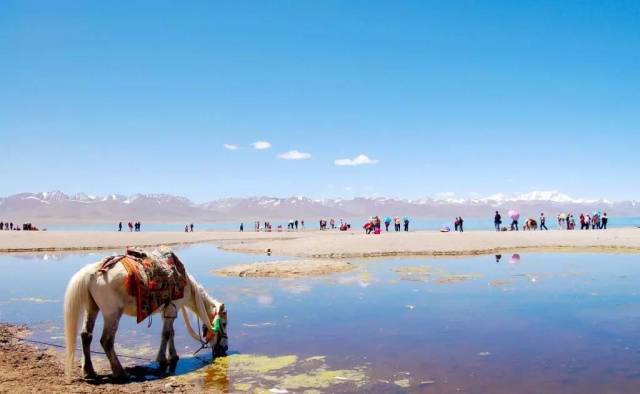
203, 344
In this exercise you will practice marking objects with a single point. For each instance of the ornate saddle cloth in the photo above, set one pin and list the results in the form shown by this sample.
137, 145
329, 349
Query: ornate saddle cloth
155, 279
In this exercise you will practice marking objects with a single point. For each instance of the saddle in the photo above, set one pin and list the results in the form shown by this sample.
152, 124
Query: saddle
154, 278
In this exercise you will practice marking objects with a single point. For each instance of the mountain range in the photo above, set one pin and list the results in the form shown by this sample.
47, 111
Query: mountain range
58, 207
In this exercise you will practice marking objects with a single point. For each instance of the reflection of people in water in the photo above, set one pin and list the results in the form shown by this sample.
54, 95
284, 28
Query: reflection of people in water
498, 257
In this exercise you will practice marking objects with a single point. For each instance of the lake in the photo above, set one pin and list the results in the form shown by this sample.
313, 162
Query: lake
527, 323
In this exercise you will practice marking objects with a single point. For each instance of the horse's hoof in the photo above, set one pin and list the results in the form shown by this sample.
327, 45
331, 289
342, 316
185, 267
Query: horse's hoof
121, 378
90, 375
173, 364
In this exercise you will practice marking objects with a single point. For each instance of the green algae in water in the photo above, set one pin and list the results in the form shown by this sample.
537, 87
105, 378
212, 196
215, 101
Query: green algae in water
428, 273
321, 379
260, 373
260, 364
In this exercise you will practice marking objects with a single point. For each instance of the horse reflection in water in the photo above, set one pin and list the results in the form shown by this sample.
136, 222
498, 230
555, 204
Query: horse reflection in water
92, 290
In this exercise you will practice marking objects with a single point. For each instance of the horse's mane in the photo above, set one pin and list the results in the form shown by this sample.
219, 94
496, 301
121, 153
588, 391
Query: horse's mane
203, 303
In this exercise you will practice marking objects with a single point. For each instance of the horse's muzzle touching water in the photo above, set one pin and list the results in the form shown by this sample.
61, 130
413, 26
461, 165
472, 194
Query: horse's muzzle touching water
138, 283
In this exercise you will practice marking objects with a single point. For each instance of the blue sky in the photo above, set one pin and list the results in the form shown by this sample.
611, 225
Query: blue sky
464, 97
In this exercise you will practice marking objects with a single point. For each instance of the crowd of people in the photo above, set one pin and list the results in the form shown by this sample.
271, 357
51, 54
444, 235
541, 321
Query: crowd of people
292, 225
10, 226
566, 221
137, 226
373, 225
343, 225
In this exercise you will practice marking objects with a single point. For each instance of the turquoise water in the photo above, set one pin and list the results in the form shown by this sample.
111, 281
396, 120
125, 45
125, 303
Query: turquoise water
527, 323
416, 224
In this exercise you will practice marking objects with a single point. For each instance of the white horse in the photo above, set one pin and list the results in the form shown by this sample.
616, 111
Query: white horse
90, 292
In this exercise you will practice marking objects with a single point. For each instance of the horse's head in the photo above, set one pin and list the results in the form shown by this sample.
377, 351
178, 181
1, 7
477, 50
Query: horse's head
217, 339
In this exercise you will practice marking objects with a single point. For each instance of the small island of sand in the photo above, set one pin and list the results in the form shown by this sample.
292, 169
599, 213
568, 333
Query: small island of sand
287, 268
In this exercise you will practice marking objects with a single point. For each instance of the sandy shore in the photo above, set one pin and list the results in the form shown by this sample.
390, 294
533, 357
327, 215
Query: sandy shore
52, 241
322, 252
25, 368
431, 243
334, 244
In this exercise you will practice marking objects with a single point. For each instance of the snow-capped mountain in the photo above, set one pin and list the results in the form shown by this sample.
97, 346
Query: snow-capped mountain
56, 206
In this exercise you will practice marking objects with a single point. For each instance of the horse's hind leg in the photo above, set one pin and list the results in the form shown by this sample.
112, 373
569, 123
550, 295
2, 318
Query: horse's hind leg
86, 336
111, 320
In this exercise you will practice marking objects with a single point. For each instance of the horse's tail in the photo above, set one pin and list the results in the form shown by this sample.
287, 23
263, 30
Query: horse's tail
75, 301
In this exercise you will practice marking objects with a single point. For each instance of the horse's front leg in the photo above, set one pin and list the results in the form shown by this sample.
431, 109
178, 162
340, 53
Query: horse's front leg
173, 355
169, 314
111, 321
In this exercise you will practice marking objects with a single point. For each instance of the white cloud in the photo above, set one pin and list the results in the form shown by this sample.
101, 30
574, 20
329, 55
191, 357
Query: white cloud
230, 146
294, 155
261, 145
357, 161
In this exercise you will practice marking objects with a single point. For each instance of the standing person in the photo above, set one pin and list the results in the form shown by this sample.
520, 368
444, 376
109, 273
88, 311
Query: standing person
11, 226
605, 219
302, 224
514, 225
130, 226
460, 222
120, 226
497, 221
296, 223
406, 224
455, 224
191, 227
186, 228
241, 227
543, 221
1, 226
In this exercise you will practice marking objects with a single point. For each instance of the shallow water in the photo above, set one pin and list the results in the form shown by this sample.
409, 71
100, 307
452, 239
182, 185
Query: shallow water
537, 323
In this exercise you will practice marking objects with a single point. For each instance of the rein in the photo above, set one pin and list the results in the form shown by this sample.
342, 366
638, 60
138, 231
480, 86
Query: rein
203, 344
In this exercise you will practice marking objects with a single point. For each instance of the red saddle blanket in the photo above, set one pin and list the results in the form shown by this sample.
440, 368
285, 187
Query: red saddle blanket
154, 279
